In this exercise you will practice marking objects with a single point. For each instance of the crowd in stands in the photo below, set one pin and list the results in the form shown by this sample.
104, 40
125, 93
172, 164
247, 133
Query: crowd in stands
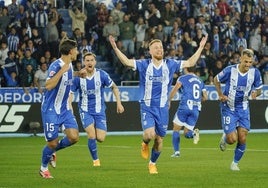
30, 32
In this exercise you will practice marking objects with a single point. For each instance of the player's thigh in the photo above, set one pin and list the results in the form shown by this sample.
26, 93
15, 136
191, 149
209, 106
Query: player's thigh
192, 118
244, 119
162, 118
229, 120
86, 118
147, 118
50, 125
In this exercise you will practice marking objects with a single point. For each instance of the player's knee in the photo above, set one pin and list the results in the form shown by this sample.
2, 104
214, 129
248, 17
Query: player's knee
73, 138
100, 139
231, 140
52, 144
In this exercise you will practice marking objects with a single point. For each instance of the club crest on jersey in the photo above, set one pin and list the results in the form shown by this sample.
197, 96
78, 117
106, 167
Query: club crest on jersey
98, 83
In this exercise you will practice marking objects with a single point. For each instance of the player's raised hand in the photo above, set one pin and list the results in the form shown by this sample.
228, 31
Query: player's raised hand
203, 41
112, 41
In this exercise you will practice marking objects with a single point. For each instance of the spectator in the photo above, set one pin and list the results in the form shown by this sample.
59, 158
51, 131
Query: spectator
78, 19
84, 46
211, 8
78, 36
246, 26
216, 18
190, 27
102, 15
168, 15
41, 21
264, 46
10, 63
160, 33
227, 47
127, 35
111, 28
29, 60
13, 39
10, 79
224, 7
38, 43
203, 25
247, 6
199, 35
40, 77
27, 79
4, 20
240, 41
3, 52
78, 65
215, 40
236, 5
140, 31
185, 9
227, 28
21, 17
188, 45
152, 15
53, 33
13, 9
176, 31
255, 40
117, 13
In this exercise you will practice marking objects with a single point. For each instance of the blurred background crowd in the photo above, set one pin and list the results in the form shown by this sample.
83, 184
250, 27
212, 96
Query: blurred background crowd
30, 31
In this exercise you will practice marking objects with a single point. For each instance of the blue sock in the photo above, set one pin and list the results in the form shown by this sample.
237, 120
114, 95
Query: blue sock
154, 155
92, 146
63, 143
189, 134
176, 139
46, 155
239, 151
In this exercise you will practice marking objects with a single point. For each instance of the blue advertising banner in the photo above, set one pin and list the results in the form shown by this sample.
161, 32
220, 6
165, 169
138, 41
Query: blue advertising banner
127, 93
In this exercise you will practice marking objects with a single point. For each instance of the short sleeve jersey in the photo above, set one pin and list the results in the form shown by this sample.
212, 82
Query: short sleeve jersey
155, 82
238, 86
57, 98
91, 91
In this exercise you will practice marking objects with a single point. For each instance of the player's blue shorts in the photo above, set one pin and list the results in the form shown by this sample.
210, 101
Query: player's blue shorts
232, 119
186, 118
154, 117
99, 120
52, 123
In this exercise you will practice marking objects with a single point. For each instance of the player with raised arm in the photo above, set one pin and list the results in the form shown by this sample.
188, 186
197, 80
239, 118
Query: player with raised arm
155, 76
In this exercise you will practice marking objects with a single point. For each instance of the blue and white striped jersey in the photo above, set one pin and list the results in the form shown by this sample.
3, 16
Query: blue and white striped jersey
238, 86
191, 91
57, 98
155, 82
91, 91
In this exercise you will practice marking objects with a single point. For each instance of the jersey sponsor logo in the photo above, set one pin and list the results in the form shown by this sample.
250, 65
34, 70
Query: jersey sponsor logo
68, 82
157, 78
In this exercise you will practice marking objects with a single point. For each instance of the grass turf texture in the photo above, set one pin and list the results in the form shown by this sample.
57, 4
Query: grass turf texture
201, 165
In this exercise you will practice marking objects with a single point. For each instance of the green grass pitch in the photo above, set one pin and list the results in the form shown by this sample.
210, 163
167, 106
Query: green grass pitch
201, 165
